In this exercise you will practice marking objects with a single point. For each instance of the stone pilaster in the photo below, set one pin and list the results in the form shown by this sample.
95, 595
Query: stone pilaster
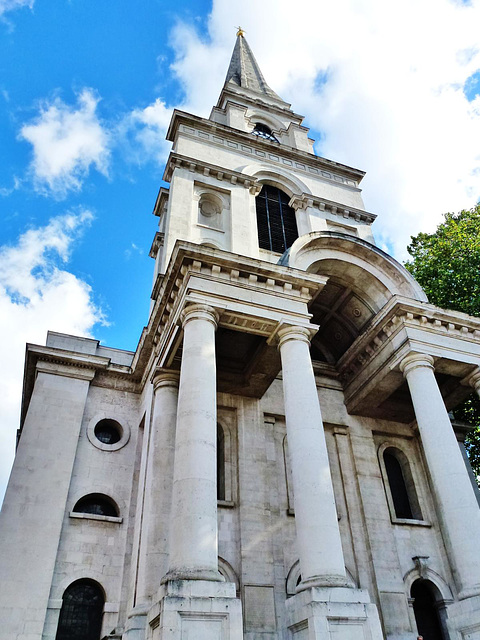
459, 512
153, 560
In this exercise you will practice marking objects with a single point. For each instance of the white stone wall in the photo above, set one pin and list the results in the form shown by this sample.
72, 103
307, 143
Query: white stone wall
93, 547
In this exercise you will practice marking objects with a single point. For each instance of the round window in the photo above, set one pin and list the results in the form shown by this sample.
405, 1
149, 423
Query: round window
108, 431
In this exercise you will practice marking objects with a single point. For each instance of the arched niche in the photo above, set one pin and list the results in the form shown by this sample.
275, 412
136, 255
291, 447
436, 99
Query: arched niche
361, 280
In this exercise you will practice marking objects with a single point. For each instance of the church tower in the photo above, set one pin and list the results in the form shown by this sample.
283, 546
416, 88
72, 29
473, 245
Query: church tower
276, 459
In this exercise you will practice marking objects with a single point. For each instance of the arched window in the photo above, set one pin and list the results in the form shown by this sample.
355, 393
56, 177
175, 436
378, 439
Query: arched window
220, 463
81, 612
96, 504
276, 222
426, 611
263, 131
402, 487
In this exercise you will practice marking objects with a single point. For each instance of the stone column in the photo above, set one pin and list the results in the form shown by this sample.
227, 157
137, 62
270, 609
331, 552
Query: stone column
153, 562
318, 534
458, 508
193, 532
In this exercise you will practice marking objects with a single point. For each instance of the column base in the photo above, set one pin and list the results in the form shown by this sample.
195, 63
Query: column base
137, 622
324, 581
199, 609
332, 613
211, 575
464, 618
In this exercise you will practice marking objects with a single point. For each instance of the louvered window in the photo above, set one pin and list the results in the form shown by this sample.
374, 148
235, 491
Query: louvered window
276, 222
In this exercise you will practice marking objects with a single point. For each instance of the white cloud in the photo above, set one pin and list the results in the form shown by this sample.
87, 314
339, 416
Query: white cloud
148, 128
36, 295
9, 5
391, 102
66, 142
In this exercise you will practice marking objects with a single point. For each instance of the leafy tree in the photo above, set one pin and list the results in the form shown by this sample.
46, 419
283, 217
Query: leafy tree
447, 265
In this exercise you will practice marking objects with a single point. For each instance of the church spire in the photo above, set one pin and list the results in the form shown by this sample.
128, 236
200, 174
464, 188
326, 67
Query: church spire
244, 71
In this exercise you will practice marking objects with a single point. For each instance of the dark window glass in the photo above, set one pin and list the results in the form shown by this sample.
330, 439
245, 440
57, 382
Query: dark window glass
108, 431
96, 504
81, 612
276, 222
398, 488
220, 463
426, 611
263, 131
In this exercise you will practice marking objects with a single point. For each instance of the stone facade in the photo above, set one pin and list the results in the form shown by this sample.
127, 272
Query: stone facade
276, 460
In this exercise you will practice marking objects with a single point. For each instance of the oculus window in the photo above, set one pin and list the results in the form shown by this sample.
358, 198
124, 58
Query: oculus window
276, 222
108, 431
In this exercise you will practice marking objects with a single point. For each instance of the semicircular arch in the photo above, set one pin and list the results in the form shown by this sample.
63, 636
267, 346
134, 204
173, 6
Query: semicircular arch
331, 251
291, 184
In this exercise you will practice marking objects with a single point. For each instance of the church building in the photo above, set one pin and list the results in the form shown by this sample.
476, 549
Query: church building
276, 460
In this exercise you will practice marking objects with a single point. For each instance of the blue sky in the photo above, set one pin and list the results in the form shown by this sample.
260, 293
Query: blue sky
86, 92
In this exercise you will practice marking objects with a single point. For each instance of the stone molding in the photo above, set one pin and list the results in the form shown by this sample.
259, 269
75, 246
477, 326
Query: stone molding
165, 378
254, 146
293, 332
401, 313
58, 368
474, 380
158, 240
176, 160
306, 200
414, 361
199, 312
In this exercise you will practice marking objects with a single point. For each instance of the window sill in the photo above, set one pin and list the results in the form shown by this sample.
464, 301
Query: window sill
92, 516
226, 504
412, 522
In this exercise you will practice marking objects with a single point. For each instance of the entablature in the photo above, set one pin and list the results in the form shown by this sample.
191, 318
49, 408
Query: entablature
250, 296
246, 144
370, 369
307, 200
177, 160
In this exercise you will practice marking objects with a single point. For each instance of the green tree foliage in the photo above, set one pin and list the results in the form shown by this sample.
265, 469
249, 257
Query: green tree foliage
447, 265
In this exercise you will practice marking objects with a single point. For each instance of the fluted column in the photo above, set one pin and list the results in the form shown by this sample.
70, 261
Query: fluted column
158, 485
193, 532
459, 510
318, 534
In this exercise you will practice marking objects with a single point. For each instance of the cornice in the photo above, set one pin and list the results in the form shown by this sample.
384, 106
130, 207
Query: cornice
156, 244
400, 313
161, 201
255, 146
221, 266
65, 363
176, 160
334, 208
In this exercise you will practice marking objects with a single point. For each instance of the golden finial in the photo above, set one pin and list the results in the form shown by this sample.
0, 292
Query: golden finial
240, 32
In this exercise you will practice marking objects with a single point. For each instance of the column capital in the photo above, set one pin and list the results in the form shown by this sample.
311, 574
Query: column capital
197, 311
414, 360
165, 378
293, 332
474, 380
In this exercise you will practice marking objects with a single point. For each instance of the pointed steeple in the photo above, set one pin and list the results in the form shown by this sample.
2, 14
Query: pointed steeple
244, 71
